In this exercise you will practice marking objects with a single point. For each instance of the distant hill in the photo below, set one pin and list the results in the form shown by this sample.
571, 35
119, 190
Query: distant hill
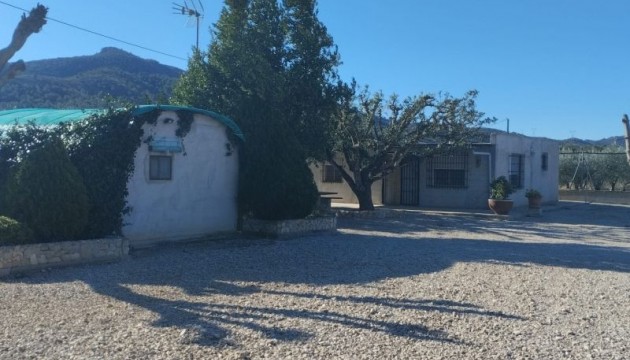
613, 140
575, 142
85, 81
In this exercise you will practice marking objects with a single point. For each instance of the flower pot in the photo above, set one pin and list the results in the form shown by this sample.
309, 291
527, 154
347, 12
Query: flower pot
534, 202
500, 207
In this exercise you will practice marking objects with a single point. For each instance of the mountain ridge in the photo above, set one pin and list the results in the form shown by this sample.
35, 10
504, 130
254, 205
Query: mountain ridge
87, 81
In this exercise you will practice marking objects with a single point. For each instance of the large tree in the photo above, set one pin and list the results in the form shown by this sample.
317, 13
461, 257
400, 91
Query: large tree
272, 68
374, 134
27, 26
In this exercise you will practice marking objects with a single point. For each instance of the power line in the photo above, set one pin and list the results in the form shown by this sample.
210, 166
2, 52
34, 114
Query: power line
99, 34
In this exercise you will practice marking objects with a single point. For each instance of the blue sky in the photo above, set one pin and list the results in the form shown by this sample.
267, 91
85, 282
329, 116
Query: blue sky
555, 68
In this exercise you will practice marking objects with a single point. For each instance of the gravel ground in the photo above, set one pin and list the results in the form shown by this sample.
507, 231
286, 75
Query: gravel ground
422, 285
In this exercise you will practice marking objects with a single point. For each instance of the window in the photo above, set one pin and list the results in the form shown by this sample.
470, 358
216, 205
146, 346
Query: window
447, 171
160, 167
544, 161
517, 170
330, 174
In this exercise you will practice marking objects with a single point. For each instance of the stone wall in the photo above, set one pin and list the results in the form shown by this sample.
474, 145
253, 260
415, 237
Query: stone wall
22, 258
287, 228
596, 196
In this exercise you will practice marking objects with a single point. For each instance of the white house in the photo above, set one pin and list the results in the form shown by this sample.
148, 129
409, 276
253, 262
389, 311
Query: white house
461, 180
182, 186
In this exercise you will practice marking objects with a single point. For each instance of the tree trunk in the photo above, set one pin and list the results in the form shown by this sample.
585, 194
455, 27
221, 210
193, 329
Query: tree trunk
27, 26
365, 198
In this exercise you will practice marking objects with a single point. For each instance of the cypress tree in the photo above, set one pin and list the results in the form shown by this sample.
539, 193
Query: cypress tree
271, 68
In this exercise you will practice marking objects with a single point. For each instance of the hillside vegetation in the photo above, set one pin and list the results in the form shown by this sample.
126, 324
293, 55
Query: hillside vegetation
86, 81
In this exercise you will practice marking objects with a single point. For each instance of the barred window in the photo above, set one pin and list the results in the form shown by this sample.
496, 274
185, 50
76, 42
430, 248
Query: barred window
160, 167
330, 174
447, 171
517, 170
544, 161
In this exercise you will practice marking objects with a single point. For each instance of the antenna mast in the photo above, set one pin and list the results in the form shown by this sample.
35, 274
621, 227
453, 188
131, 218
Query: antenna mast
190, 11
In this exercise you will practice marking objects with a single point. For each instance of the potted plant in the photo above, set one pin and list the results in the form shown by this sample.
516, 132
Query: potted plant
534, 198
500, 190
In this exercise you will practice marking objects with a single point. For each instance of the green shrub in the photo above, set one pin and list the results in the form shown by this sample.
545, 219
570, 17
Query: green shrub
276, 183
47, 194
15, 143
13, 232
102, 148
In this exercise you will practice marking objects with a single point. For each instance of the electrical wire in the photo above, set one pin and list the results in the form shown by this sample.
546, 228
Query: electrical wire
99, 34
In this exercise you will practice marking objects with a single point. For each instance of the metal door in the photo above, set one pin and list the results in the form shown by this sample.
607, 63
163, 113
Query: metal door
410, 182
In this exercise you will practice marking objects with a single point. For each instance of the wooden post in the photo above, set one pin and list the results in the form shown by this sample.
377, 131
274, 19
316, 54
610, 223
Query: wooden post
626, 122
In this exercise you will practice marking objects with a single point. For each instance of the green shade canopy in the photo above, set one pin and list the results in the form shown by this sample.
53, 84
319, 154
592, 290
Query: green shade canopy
52, 117
44, 117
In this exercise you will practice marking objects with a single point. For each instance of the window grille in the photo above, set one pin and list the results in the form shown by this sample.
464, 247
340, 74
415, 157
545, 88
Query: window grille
544, 161
330, 174
447, 171
160, 167
517, 170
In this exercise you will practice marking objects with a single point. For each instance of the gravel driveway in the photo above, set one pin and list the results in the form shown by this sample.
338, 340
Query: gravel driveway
422, 285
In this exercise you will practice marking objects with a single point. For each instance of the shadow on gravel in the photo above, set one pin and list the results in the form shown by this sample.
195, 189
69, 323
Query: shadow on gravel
200, 270
597, 218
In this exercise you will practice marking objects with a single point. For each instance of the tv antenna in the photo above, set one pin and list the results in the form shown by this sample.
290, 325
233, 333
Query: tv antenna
190, 11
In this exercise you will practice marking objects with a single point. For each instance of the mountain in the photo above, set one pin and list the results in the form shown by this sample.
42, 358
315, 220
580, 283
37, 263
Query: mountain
86, 81
613, 140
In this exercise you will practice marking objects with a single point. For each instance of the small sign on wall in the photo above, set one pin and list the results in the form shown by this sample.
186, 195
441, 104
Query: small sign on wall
166, 145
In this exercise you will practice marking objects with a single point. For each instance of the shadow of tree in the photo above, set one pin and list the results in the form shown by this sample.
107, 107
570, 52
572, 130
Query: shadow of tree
365, 251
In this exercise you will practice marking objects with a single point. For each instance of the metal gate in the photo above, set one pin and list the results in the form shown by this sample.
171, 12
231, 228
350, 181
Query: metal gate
410, 182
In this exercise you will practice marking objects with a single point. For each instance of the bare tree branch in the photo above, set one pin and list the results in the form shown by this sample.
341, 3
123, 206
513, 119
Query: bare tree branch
27, 26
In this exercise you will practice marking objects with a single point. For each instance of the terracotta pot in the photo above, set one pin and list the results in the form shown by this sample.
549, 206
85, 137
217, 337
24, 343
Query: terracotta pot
500, 207
534, 202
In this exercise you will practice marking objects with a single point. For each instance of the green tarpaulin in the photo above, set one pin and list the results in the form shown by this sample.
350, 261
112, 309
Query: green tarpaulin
44, 116
52, 117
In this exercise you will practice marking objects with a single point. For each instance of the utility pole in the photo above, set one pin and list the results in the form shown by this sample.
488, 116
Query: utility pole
626, 123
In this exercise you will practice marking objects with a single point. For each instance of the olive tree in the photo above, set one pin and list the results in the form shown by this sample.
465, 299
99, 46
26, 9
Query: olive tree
374, 134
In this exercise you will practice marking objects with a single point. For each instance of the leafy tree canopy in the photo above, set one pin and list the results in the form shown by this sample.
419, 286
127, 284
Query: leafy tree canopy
374, 134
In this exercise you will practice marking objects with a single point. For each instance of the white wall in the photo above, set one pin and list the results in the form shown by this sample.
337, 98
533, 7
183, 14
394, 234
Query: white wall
545, 181
201, 196
474, 196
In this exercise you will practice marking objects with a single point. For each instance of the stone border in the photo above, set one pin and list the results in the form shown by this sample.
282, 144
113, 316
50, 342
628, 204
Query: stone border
289, 228
377, 213
596, 196
23, 258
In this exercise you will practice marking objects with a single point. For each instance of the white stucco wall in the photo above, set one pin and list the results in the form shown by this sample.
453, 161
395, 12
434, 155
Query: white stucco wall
474, 196
200, 198
545, 181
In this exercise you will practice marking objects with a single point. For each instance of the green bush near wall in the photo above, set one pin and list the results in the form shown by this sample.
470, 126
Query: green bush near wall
13, 232
101, 148
46, 192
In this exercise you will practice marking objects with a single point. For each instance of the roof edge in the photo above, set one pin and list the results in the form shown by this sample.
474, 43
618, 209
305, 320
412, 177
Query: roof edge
229, 123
